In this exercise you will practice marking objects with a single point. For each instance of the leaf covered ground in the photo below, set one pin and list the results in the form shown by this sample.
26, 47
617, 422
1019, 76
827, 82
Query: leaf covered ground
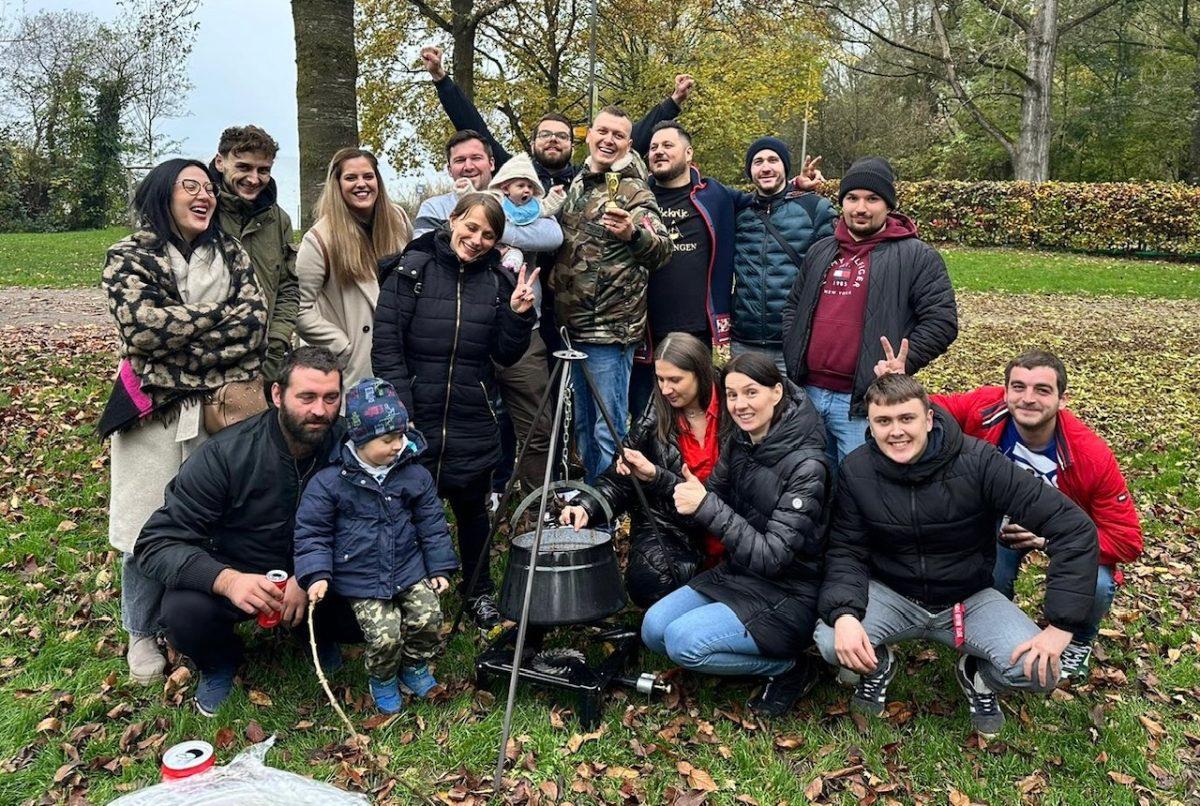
72, 728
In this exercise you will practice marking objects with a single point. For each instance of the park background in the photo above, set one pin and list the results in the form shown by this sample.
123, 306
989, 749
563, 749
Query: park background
1050, 148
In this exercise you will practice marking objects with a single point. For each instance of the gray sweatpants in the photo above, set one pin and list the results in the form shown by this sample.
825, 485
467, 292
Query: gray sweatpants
993, 628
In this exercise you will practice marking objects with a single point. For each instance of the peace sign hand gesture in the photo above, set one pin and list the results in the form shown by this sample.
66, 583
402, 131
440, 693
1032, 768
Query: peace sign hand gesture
892, 363
810, 176
522, 296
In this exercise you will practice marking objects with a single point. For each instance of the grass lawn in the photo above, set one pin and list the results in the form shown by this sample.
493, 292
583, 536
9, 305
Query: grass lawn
74, 260
71, 725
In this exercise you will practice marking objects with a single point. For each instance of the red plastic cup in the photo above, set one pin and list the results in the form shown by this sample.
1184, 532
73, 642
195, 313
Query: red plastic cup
187, 759
271, 618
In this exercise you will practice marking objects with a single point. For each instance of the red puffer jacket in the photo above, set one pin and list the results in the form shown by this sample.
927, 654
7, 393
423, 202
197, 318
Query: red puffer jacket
1087, 470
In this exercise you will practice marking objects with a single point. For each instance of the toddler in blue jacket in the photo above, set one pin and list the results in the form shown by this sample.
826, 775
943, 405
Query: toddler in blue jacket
372, 525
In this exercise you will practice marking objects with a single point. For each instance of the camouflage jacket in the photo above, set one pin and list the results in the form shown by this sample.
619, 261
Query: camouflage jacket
599, 281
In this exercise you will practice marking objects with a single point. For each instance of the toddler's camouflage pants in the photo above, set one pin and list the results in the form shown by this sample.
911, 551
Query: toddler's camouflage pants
400, 632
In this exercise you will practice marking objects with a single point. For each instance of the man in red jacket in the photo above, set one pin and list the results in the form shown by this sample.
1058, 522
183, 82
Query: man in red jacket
1025, 420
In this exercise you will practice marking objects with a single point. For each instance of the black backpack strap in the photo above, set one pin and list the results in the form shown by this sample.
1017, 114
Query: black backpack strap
778, 236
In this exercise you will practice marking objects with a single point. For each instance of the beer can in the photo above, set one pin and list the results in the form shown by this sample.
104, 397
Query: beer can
271, 618
187, 759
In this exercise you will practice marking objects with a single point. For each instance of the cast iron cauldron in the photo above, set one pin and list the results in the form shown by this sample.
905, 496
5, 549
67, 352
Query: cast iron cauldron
577, 580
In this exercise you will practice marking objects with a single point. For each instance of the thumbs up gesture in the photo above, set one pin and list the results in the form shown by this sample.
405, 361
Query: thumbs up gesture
893, 363
690, 494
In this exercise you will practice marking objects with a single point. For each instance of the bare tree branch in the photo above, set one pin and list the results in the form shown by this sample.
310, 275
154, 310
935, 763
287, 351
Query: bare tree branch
959, 92
1002, 8
433, 16
1083, 17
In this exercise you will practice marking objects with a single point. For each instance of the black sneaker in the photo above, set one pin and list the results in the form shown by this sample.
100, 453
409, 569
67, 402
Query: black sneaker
782, 691
870, 695
484, 612
986, 716
1075, 660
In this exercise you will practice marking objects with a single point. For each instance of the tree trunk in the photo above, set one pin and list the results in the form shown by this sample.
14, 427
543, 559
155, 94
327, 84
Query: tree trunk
462, 58
1192, 169
1032, 160
326, 79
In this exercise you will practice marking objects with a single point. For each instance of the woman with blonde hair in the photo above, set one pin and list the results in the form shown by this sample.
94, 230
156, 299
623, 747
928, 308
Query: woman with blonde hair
338, 260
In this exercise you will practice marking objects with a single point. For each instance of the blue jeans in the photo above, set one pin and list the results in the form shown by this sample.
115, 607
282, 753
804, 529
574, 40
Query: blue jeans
701, 634
609, 365
843, 433
1008, 565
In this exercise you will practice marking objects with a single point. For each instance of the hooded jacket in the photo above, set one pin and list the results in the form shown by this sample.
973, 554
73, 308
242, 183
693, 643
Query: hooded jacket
439, 325
763, 269
1088, 472
909, 296
265, 232
233, 505
927, 529
768, 503
599, 281
373, 540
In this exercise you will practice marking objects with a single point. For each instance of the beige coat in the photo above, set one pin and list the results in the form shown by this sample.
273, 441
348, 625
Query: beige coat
332, 315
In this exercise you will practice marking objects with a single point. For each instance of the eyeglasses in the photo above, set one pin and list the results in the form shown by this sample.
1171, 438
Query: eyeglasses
192, 187
544, 134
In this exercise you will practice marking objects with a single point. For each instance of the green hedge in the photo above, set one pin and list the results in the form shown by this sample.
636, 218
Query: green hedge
1148, 217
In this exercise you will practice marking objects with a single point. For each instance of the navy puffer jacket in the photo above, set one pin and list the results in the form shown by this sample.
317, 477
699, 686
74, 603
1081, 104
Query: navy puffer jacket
764, 273
439, 325
373, 540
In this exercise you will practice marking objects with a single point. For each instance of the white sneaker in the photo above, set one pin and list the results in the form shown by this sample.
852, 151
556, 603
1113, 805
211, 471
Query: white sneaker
146, 661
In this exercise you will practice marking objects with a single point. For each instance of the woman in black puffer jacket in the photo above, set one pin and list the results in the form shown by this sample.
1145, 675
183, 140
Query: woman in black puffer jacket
446, 311
684, 425
767, 501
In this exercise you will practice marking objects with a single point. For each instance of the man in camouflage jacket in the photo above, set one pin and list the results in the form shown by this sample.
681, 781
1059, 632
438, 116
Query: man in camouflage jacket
613, 237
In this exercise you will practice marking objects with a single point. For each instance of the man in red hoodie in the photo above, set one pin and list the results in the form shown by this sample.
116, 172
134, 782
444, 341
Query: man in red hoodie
1025, 420
872, 278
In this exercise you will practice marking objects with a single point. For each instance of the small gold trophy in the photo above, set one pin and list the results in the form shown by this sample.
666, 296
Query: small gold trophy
613, 181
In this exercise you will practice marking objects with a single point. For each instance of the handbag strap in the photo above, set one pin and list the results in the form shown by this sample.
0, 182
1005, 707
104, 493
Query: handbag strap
809, 202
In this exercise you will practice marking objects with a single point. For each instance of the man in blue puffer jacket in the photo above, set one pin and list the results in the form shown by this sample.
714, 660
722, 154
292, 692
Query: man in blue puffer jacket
372, 525
774, 231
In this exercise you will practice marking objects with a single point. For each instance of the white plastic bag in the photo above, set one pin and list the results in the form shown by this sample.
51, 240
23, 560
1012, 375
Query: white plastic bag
245, 780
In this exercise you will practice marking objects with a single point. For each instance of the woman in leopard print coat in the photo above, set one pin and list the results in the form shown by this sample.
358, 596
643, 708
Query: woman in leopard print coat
190, 318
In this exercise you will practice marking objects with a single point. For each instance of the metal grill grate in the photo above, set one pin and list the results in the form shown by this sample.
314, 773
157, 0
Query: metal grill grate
563, 538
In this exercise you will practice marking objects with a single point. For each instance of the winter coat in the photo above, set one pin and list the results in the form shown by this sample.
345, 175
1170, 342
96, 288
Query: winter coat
464, 115
767, 504
764, 271
373, 540
599, 281
439, 325
1088, 473
656, 566
233, 505
928, 529
265, 232
339, 317
909, 296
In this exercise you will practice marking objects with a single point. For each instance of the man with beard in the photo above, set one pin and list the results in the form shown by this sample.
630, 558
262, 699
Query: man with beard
873, 278
246, 209
552, 142
1025, 420
691, 293
227, 520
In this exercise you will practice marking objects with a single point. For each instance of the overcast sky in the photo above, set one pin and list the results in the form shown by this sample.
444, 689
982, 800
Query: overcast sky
243, 70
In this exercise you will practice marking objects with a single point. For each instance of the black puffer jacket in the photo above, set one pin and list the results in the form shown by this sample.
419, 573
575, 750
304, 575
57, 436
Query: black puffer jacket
909, 296
928, 530
439, 325
767, 503
656, 566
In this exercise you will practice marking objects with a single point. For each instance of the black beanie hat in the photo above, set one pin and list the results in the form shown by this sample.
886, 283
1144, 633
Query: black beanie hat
770, 144
873, 174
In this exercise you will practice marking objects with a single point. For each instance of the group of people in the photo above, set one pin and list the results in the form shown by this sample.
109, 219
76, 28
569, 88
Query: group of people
809, 498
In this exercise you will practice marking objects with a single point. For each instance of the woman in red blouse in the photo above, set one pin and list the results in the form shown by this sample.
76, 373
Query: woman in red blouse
682, 427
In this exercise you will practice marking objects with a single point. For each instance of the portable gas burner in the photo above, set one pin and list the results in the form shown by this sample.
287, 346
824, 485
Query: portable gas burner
567, 669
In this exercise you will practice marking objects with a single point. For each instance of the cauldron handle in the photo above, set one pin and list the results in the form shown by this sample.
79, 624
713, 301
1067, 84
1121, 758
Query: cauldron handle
565, 484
